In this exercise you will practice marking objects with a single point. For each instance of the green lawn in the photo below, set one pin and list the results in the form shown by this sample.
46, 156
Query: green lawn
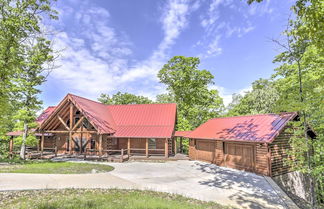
54, 167
96, 198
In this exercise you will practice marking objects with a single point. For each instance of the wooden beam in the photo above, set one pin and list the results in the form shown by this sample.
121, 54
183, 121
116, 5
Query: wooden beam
42, 144
81, 138
70, 142
78, 123
55, 146
71, 126
128, 146
62, 121
66, 132
49, 123
11, 145
100, 145
71, 116
146, 147
166, 148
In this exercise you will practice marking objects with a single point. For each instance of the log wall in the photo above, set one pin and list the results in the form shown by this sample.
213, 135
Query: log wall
278, 149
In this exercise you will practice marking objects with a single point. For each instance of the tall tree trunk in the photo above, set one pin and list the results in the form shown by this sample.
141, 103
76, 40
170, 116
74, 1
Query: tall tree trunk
308, 144
23, 144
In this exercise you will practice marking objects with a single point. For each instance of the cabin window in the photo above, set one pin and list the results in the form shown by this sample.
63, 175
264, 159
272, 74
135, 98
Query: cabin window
92, 144
152, 143
114, 141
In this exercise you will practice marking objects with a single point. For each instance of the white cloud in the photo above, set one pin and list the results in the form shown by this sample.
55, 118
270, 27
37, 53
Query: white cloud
174, 20
96, 57
260, 9
226, 94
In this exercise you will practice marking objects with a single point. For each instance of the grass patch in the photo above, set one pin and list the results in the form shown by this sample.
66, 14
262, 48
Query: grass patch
49, 167
99, 199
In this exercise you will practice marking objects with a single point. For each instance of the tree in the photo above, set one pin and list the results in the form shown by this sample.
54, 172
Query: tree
261, 99
165, 98
189, 87
24, 52
300, 81
123, 98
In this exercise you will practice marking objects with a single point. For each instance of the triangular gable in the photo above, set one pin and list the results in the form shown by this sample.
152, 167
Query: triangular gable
96, 113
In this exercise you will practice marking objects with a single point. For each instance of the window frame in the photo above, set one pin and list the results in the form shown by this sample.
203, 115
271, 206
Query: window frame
152, 143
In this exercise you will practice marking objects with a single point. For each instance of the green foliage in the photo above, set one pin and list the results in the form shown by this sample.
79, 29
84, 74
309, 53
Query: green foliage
24, 55
123, 98
261, 99
189, 88
23, 51
165, 98
300, 82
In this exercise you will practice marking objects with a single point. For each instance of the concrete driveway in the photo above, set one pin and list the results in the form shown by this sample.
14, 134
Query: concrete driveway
189, 178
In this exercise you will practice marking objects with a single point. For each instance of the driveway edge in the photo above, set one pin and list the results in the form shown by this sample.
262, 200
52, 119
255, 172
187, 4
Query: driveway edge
284, 197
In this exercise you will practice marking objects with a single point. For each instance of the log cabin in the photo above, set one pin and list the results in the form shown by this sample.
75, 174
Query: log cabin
255, 143
81, 126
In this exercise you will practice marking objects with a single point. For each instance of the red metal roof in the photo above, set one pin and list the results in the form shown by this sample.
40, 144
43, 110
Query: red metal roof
182, 133
136, 120
45, 114
253, 128
144, 120
97, 113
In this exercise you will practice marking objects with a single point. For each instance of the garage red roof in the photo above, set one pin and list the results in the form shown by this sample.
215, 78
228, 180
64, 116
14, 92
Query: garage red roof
253, 128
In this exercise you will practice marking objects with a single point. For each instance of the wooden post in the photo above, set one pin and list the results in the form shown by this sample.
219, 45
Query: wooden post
146, 147
128, 147
42, 144
71, 126
122, 155
100, 145
166, 148
55, 146
38, 144
175, 145
70, 143
11, 145
81, 138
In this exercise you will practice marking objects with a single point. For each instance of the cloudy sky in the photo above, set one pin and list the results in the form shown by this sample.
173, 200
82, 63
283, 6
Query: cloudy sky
108, 46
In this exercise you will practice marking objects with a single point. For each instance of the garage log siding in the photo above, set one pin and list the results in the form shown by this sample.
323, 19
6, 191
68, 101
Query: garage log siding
243, 156
278, 149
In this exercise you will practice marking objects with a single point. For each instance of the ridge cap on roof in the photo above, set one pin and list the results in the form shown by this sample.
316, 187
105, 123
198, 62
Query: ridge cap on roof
144, 125
109, 105
243, 116
86, 99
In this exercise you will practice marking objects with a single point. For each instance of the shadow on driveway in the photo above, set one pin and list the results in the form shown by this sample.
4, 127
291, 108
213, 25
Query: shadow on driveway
249, 186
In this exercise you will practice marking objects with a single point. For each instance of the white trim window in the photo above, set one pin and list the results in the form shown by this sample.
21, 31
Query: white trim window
152, 143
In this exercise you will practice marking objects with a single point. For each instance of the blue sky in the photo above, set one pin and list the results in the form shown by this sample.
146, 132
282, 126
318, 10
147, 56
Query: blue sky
108, 46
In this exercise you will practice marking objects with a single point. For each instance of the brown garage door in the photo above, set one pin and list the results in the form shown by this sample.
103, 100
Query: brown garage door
239, 156
205, 150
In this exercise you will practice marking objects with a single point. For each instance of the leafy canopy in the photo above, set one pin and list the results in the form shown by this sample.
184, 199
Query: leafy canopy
189, 88
123, 98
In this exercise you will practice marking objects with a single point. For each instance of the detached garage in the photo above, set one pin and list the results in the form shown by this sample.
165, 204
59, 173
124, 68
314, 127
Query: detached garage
256, 143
